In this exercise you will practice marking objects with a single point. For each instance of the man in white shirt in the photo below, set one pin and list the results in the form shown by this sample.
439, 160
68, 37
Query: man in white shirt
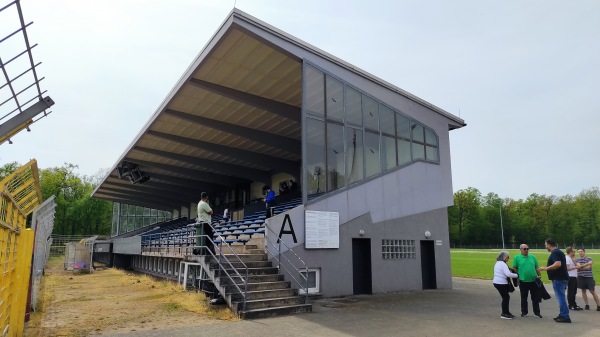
204, 210
203, 225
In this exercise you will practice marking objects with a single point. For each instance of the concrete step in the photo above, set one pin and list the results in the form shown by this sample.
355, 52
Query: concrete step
275, 311
263, 294
243, 257
259, 286
252, 271
253, 278
270, 303
239, 265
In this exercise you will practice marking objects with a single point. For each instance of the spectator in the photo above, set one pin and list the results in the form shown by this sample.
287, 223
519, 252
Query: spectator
572, 286
500, 281
293, 186
269, 200
585, 278
283, 187
526, 265
204, 230
558, 274
226, 214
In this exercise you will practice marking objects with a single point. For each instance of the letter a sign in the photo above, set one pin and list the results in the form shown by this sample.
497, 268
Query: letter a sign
290, 231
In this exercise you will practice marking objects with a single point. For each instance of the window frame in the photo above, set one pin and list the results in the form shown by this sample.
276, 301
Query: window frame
317, 288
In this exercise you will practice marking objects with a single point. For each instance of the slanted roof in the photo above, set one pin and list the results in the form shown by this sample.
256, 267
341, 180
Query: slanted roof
233, 117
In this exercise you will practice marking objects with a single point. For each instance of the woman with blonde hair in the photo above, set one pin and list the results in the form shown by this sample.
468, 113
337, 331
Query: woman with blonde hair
501, 278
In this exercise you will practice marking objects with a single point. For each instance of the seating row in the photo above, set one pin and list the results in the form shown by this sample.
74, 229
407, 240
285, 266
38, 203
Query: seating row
177, 232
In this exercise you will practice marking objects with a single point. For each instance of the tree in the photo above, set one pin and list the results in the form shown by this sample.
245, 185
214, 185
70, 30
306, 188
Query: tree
587, 207
465, 212
8, 168
569, 220
76, 212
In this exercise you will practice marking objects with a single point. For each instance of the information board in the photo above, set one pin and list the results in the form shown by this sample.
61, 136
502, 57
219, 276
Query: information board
322, 229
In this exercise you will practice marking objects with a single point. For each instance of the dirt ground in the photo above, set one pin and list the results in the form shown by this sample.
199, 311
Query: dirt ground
111, 300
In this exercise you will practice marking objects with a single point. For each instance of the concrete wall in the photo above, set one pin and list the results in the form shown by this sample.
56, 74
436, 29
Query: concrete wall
335, 265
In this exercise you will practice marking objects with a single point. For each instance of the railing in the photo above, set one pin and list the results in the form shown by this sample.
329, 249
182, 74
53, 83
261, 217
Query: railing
178, 242
183, 242
59, 243
243, 293
278, 257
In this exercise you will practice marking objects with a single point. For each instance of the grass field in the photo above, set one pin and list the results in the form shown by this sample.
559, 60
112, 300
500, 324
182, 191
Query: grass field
479, 263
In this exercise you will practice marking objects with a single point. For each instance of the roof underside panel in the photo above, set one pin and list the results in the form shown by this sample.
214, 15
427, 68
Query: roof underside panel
235, 120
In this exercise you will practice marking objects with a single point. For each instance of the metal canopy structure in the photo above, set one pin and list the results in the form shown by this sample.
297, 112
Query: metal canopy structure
21, 97
233, 117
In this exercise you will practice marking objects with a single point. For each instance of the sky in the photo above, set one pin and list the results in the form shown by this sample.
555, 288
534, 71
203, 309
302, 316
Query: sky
524, 75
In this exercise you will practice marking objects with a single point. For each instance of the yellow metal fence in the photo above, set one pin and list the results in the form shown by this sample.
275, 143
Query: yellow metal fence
19, 196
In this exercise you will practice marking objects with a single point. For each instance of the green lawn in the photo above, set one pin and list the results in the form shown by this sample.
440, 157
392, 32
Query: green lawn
479, 263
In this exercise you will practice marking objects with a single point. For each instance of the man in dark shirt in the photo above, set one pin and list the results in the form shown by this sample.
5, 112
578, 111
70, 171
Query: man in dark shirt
558, 274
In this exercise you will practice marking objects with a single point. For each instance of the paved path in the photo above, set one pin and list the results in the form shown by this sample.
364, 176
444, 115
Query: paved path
472, 308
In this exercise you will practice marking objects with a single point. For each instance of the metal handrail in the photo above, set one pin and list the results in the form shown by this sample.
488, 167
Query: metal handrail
162, 242
221, 267
280, 265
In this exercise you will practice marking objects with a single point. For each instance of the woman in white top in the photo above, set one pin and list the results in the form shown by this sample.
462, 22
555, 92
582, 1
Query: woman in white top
572, 286
501, 274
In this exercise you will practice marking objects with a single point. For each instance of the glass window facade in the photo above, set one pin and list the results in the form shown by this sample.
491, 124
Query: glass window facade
353, 107
351, 136
354, 156
335, 99
336, 170
315, 156
314, 93
372, 159
127, 218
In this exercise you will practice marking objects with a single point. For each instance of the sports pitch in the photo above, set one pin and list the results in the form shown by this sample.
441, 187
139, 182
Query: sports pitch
479, 263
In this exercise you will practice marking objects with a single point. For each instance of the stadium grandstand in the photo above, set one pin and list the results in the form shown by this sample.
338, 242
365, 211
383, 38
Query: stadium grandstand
361, 168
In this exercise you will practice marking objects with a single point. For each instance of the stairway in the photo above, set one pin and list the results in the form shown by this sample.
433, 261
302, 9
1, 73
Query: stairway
268, 294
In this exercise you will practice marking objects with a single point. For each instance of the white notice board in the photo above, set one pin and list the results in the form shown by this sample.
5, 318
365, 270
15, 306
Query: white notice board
322, 229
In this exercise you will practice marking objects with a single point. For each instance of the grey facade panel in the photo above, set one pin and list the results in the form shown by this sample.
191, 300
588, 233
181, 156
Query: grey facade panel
416, 188
400, 205
129, 246
335, 265
102, 247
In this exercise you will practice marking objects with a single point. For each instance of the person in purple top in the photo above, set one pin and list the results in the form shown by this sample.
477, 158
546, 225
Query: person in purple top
585, 278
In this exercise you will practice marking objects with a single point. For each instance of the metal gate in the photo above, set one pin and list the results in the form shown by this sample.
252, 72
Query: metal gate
19, 196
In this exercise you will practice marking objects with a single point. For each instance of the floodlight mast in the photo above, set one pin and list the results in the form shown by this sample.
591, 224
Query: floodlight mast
501, 226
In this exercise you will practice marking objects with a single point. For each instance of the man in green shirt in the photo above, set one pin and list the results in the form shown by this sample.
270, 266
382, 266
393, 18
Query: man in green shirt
526, 266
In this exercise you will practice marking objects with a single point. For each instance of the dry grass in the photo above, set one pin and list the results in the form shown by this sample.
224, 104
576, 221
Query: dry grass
114, 300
